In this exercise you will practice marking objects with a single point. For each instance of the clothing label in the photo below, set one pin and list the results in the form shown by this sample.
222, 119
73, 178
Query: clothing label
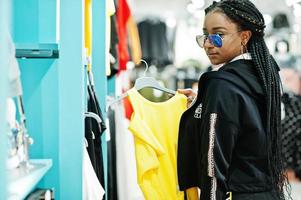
198, 112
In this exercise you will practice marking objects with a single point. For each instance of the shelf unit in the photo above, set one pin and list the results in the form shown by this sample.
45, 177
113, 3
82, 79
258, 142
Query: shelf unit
34, 26
53, 91
22, 180
26, 51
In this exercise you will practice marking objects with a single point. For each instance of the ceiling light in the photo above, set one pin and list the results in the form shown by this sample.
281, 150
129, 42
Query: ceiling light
190, 8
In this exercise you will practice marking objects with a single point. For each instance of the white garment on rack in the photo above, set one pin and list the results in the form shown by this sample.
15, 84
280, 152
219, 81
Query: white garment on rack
11, 113
12, 161
15, 88
92, 189
127, 185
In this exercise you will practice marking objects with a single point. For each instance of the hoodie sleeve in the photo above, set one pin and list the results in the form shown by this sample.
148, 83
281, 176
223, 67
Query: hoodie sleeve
221, 121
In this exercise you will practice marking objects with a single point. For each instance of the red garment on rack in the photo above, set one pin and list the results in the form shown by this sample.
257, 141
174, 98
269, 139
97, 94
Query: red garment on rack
128, 108
123, 13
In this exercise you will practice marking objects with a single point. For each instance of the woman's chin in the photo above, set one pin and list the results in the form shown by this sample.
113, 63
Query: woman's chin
215, 62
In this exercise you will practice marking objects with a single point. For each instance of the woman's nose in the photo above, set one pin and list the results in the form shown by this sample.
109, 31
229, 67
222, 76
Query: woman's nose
208, 43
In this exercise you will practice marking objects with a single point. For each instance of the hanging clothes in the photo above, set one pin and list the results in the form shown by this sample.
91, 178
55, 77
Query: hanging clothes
92, 190
123, 13
291, 132
128, 108
111, 147
154, 43
88, 32
15, 87
134, 41
291, 80
127, 184
93, 133
114, 36
113, 48
88, 26
110, 27
155, 130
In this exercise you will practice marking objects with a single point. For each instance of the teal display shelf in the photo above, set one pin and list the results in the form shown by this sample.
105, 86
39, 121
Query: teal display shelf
22, 180
37, 50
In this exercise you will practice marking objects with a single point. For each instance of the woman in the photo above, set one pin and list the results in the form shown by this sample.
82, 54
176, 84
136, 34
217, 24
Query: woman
229, 138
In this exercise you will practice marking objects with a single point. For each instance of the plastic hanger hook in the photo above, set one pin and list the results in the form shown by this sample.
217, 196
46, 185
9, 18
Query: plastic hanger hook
146, 67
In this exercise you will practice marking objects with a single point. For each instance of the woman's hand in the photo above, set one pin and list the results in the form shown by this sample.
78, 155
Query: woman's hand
189, 93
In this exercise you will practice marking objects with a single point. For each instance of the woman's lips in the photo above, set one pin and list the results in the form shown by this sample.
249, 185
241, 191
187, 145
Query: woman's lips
212, 54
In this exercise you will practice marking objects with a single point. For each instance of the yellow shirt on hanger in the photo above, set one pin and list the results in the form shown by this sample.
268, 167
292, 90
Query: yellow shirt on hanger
155, 129
110, 10
88, 31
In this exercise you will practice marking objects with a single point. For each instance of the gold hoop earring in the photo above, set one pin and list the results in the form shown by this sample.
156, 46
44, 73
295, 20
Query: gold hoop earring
243, 48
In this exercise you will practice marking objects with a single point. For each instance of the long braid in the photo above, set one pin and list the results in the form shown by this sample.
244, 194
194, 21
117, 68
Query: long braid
248, 17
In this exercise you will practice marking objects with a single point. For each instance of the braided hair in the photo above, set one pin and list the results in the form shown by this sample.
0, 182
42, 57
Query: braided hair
248, 17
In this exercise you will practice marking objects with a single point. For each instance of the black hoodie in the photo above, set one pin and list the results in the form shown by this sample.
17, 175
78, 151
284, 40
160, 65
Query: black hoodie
222, 143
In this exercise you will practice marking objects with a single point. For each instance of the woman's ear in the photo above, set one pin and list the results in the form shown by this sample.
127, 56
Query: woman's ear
245, 36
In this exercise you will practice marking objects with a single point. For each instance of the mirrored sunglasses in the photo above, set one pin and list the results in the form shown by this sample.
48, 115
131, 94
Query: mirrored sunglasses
214, 39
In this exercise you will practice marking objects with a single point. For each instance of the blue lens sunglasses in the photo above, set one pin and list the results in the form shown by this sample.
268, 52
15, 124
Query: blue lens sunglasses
214, 39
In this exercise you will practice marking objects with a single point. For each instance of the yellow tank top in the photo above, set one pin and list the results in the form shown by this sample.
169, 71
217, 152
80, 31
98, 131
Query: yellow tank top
155, 129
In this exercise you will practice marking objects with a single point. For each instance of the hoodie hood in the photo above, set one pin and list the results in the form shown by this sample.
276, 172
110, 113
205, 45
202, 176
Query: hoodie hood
246, 72
240, 73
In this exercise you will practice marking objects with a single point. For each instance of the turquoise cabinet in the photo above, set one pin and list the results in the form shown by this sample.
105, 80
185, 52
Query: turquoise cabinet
54, 90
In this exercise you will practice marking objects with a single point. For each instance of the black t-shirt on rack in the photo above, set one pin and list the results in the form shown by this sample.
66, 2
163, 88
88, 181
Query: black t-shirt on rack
154, 43
93, 132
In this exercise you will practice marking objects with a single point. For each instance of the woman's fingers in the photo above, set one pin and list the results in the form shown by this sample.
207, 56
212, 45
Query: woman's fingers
187, 92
